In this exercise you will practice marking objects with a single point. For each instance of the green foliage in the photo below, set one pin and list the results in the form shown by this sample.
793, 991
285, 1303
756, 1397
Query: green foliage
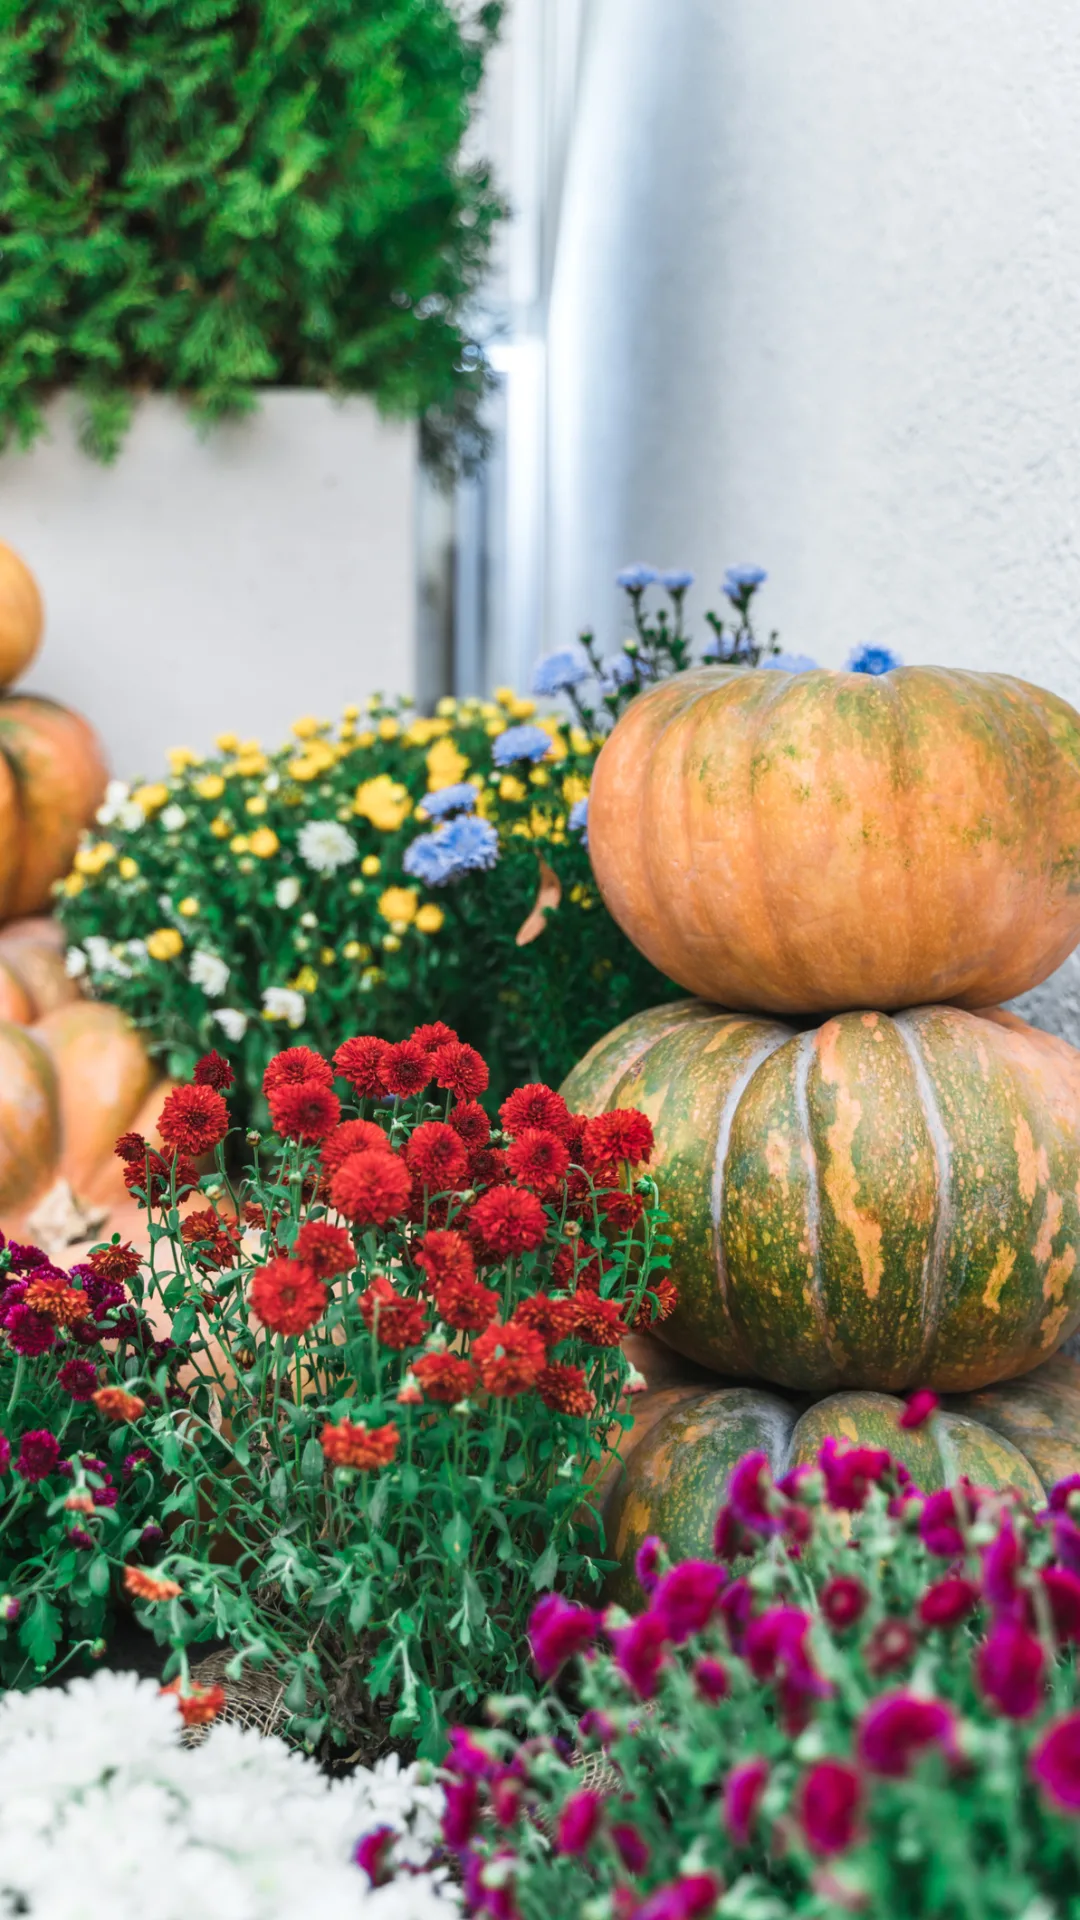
212, 196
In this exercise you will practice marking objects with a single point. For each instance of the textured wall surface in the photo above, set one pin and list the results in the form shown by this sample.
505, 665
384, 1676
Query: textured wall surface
817, 306
232, 581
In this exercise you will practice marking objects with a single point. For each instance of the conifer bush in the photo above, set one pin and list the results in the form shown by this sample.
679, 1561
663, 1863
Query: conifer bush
212, 196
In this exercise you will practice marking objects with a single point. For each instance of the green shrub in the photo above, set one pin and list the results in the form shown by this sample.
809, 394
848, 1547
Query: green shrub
211, 196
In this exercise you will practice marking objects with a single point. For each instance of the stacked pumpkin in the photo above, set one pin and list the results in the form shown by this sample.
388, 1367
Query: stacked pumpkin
872, 1172
73, 1074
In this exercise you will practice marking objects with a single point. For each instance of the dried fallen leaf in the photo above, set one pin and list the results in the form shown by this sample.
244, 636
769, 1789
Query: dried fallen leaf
548, 896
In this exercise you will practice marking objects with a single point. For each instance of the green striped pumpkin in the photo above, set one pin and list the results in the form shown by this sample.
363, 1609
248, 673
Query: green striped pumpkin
876, 1202
688, 1434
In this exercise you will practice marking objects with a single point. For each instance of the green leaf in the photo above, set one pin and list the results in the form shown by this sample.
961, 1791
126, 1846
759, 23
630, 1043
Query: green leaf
475, 1605
184, 1323
456, 1536
296, 1692
543, 1574
98, 1575
360, 1607
279, 1490
40, 1631
312, 1463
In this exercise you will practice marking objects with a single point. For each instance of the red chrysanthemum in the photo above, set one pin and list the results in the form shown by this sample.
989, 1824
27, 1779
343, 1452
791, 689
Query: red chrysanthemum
323, 1249
599, 1322
666, 1296
535, 1106
506, 1221
470, 1121
509, 1358
564, 1390
433, 1036
538, 1158
360, 1062
578, 1265
444, 1255
116, 1404
51, 1295
620, 1212
406, 1069
396, 1322
212, 1244
445, 1376
488, 1168
287, 1296
304, 1110
612, 1138
214, 1071
352, 1136
131, 1148
466, 1305
460, 1069
155, 1177
148, 1586
437, 1157
371, 1187
200, 1705
118, 1261
293, 1066
553, 1320
352, 1444
193, 1120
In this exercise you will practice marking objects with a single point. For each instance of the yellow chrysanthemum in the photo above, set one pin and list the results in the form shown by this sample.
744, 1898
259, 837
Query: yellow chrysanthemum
574, 788
305, 728
327, 957
389, 729
372, 977
366, 739
383, 801
164, 944
210, 787
228, 742
399, 903
181, 758
421, 732
445, 765
306, 980
581, 742
429, 918
549, 724
356, 950
540, 777
447, 706
152, 797
391, 942
511, 788
256, 804
370, 864
93, 859
522, 709
249, 764
220, 827
188, 906
240, 843
349, 714
128, 867
264, 843
73, 884
493, 728
505, 696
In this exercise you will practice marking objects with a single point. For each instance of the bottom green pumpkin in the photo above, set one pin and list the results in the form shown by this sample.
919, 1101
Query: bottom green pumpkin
689, 1432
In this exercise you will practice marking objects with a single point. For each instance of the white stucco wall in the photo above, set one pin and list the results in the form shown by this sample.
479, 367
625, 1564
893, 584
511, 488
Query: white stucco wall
228, 581
817, 306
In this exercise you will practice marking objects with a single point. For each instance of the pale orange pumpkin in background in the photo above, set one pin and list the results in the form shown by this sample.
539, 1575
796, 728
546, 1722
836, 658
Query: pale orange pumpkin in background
817, 842
21, 616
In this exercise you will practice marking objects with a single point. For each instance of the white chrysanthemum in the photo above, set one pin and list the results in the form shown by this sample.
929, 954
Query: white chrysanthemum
104, 1814
116, 793
130, 816
104, 958
284, 1003
208, 972
75, 963
287, 891
232, 1022
325, 845
173, 818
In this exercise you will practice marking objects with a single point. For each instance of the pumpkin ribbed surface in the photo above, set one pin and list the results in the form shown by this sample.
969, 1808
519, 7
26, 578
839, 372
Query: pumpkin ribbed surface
877, 1202
816, 841
55, 779
686, 1439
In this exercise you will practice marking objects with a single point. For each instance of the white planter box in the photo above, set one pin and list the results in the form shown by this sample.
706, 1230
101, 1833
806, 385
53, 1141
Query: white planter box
231, 580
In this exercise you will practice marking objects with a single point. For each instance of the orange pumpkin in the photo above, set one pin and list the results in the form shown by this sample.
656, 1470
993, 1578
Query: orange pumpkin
21, 616
813, 842
52, 781
33, 977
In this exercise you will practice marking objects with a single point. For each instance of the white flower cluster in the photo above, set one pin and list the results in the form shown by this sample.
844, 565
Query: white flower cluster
324, 846
105, 1816
119, 807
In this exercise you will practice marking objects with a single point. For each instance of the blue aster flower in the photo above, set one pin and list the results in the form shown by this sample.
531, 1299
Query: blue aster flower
520, 743
741, 580
676, 582
789, 663
425, 860
617, 670
457, 799
559, 672
636, 579
578, 819
468, 845
872, 660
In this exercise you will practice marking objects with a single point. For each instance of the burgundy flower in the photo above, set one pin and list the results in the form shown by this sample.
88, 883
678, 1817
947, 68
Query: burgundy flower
505, 1789
5, 1453
1060, 1491
685, 1599
632, 1848
1067, 1541
919, 1408
711, 1679
948, 1601
736, 1603
30, 1333
850, 1472
828, 1804
1002, 1561
557, 1630
1063, 1592
497, 1902
372, 1854
743, 1789
890, 1646
686, 1899
460, 1813
467, 1757
939, 1522
843, 1600
898, 1727
1010, 1667
1054, 1763
580, 1817
748, 1494
39, 1455
775, 1645
640, 1653
79, 1378
647, 1563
